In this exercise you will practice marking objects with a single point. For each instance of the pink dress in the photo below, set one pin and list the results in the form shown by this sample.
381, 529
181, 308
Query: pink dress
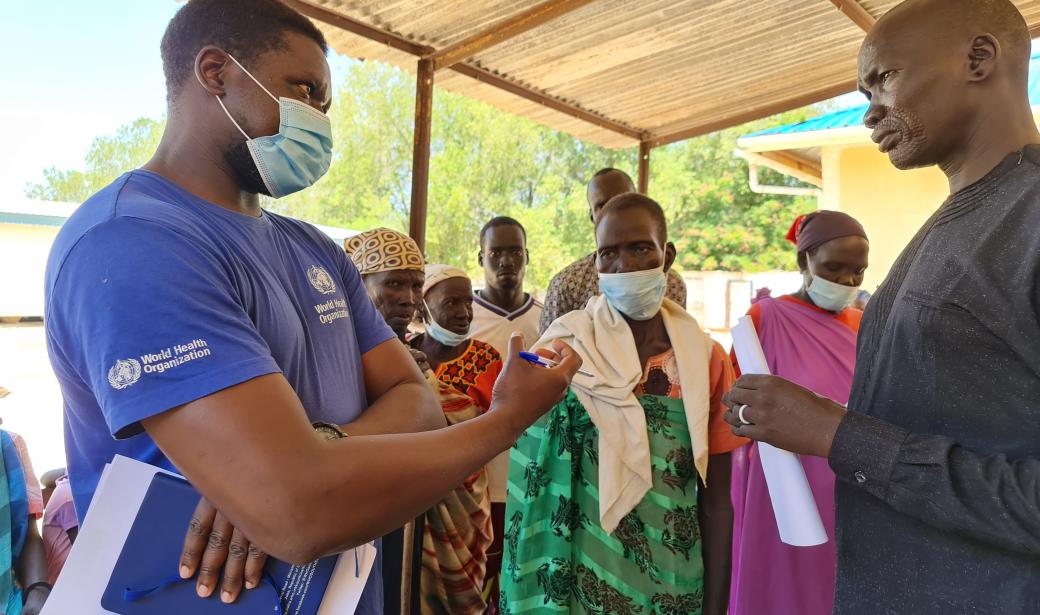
817, 350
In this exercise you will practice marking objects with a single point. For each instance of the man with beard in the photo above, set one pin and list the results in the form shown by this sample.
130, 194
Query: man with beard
191, 329
938, 454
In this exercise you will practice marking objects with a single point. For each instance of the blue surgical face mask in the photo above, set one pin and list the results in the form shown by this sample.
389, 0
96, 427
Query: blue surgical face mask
830, 296
299, 154
636, 294
446, 337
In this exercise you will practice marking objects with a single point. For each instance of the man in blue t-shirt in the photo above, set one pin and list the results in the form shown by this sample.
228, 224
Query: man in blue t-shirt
191, 329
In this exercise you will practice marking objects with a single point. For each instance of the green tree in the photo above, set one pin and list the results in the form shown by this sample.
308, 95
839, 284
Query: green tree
484, 163
717, 222
107, 158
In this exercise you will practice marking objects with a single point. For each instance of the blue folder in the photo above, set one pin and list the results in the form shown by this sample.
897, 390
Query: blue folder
145, 580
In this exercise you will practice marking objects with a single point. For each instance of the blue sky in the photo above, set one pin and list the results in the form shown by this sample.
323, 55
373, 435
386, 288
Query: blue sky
74, 70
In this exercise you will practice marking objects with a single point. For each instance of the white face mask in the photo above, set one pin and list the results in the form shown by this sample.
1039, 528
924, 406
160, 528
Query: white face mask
445, 336
830, 296
636, 294
299, 154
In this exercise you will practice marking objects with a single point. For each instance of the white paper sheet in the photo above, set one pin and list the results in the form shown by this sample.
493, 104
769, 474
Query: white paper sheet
113, 510
100, 540
797, 517
348, 581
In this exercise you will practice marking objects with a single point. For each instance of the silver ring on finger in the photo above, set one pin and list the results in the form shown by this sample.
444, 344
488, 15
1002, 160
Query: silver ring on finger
740, 414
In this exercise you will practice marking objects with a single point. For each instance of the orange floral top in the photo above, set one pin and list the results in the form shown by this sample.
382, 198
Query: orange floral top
661, 377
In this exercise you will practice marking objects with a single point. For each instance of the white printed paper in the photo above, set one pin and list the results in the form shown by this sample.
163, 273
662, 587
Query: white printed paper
797, 517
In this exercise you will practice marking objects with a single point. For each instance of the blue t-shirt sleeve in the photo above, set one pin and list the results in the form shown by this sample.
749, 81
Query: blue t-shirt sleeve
369, 325
150, 320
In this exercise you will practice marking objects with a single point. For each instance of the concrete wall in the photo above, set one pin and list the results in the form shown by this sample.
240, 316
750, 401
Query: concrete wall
891, 204
23, 261
718, 298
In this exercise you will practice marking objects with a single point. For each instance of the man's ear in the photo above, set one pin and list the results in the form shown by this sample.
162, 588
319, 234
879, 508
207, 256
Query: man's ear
480, 258
527, 256
669, 256
983, 57
210, 66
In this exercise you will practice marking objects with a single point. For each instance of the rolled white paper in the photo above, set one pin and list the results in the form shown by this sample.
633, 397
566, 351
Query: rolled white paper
797, 517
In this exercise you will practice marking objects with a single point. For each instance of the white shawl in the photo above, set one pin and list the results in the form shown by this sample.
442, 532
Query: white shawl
603, 339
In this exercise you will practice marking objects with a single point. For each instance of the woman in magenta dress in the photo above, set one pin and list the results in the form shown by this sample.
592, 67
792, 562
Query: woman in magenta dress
809, 338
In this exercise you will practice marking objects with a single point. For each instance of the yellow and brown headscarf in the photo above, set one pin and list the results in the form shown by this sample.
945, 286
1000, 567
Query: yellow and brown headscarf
383, 249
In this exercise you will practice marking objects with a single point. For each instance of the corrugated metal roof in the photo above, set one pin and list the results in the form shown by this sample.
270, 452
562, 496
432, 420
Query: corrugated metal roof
853, 116
658, 67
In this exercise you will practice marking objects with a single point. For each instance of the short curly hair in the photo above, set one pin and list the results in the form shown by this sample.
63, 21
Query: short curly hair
634, 200
498, 221
243, 28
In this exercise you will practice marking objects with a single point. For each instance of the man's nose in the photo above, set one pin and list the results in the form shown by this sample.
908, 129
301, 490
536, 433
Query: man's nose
875, 113
628, 264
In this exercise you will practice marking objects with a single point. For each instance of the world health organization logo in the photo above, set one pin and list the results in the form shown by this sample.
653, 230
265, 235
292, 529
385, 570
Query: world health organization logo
124, 373
321, 280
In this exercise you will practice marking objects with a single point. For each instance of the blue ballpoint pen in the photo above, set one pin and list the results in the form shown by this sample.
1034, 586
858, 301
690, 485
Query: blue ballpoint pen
531, 357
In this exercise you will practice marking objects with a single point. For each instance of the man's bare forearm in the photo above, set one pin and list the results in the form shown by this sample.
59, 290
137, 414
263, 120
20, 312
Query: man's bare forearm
406, 474
410, 407
251, 451
400, 398
298, 496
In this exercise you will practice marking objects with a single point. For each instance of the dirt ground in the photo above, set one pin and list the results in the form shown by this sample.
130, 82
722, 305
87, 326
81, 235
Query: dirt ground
33, 409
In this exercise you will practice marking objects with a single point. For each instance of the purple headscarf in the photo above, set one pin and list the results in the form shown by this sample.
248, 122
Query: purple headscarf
813, 230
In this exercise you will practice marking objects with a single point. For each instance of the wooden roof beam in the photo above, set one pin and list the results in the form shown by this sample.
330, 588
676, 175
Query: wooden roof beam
504, 30
485, 76
855, 11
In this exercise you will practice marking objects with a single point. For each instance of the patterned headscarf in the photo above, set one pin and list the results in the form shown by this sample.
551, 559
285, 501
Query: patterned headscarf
383, 249
436, 274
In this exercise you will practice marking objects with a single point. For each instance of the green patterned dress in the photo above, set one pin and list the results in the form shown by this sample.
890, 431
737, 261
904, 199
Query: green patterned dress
557, 557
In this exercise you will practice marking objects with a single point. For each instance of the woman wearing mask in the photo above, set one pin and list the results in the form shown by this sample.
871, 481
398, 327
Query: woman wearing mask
458, 530
619, 497
809, 338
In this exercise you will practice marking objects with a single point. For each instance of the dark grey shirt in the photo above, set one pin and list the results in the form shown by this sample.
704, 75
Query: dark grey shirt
938, 497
